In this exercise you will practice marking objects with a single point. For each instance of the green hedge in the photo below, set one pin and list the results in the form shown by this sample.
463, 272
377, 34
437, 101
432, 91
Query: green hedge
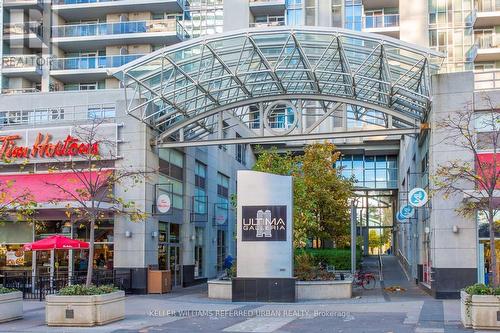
339, 258
83, 290
4, 290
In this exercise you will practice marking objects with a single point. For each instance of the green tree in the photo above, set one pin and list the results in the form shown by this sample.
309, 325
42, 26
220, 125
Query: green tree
321, 194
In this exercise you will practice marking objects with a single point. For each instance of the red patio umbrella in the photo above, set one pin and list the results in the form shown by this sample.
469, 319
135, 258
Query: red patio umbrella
56, 242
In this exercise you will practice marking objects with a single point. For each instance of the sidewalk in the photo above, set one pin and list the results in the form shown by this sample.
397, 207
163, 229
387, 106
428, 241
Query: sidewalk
189, 310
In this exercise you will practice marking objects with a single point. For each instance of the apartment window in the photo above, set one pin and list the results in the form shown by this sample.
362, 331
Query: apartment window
222, 186
241, 152
200, 195
222, 205
337, 13
101, 112
88, 86
172, 163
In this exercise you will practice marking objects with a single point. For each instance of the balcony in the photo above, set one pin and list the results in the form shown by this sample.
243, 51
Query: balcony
73, 10
27, 33
486, 18
27, 66
273, 22
99, 35
382, 24
486, 46
71, 70
267, 7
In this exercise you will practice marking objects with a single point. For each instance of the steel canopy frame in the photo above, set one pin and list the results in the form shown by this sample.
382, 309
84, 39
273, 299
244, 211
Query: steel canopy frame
281, 83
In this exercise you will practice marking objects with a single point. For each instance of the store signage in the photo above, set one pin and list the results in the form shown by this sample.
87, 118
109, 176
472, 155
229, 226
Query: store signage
163, 203
15, 258
418, 197
263, 223
406, 212
44, 148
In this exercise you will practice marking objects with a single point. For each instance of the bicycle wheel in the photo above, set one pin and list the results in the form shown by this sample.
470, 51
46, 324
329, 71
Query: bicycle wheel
369, 282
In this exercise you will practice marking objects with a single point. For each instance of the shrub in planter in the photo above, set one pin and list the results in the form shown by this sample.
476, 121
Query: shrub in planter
11, 304
79, 305
480, 305
306, 269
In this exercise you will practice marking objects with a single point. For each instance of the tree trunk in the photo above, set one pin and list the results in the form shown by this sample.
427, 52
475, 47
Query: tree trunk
90, 266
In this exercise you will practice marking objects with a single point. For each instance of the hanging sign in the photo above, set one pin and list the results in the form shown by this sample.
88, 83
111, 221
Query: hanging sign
163, 203
407, 211
418, 197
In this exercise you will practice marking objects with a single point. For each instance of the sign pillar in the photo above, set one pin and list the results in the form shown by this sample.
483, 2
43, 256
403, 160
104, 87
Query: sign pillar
264, 238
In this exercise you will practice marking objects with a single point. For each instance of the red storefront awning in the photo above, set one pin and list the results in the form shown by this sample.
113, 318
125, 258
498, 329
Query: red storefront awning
45, 187
56, 242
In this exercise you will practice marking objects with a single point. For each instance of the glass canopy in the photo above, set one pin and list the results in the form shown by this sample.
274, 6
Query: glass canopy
278, 82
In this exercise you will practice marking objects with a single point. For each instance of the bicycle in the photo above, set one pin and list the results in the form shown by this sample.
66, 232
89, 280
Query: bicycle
365, 280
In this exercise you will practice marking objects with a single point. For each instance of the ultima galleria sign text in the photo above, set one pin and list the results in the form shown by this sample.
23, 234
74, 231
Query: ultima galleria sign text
44, 148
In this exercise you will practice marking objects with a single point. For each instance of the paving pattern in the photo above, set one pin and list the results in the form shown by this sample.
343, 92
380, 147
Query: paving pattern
189, 310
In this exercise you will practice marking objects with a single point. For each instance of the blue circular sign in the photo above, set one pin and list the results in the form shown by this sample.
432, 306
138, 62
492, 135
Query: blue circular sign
418, 197
407, 211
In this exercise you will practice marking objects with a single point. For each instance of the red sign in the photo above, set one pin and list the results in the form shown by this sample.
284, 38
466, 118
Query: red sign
44, 148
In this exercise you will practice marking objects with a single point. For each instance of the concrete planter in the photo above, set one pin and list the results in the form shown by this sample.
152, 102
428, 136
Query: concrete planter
480, 311
220, 289
11, 306
308, 290
93, 310
304, 290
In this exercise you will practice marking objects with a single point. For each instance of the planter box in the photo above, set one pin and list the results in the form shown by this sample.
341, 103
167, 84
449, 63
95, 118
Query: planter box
84, 310
304, 290
11, 306
308, 290
221, 289
480, 311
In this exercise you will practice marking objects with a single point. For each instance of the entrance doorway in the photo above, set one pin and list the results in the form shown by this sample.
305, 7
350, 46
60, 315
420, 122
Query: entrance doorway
169, 251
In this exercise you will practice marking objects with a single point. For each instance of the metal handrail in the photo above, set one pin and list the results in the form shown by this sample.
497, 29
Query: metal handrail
93, 62
115, 28
381, 21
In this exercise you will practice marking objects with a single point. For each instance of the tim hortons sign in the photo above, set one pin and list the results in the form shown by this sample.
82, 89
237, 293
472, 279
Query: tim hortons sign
43, 147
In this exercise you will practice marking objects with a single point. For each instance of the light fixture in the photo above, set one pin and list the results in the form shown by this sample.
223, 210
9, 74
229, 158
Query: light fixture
427, 230
154, 234
455, 229
128, 233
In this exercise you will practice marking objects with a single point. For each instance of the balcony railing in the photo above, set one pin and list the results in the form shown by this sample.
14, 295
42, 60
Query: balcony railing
266, 24
488, 6
93, 62
22, 2
77, 2
381, 21
486, 41
11, 91
118, 28
21, 61
24, 28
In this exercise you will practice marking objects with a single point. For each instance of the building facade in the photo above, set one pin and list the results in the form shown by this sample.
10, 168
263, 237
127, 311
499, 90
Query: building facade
58, 57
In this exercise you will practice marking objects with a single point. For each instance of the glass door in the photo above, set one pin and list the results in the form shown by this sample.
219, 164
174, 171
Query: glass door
174, 264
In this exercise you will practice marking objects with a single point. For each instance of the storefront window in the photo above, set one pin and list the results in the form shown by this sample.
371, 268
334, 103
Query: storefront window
198, 252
